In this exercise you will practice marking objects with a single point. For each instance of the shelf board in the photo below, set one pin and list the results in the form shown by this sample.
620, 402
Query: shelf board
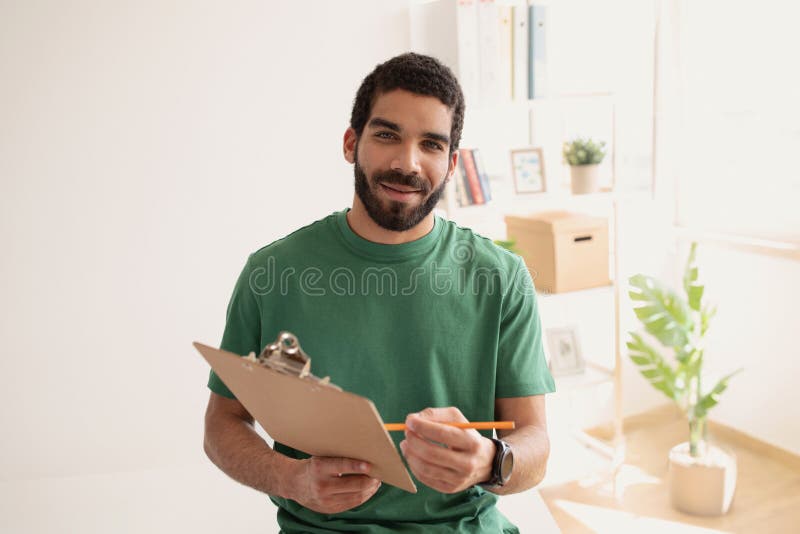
545, 100
522, 204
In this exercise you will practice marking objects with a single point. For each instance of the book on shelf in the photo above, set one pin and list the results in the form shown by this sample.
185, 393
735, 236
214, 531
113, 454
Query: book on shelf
483, 176
464, 192
471, 180
472, 176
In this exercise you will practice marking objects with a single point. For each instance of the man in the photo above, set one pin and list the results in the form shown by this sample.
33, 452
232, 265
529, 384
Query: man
431, 322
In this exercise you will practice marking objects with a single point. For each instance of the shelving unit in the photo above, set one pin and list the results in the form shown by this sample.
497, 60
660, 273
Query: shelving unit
488, 220
513, 124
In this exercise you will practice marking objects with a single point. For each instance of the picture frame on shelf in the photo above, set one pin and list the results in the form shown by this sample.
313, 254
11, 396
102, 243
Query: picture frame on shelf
564, 346
527, 168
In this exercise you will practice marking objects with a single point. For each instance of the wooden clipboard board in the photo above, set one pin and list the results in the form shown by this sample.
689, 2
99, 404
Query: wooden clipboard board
310, 416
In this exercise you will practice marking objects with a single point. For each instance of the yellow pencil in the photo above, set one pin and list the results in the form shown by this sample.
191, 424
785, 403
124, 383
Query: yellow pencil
486, 425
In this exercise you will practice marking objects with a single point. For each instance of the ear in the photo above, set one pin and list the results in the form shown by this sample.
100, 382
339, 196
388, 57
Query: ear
349, 145
453, 164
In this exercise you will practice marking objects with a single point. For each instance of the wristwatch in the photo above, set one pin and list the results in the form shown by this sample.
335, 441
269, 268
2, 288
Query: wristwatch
502, 465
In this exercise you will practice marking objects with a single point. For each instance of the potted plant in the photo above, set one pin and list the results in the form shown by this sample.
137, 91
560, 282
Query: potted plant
702, 477
584, 156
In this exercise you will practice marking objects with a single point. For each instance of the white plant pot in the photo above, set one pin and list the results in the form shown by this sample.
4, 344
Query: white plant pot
585, 178
702, 486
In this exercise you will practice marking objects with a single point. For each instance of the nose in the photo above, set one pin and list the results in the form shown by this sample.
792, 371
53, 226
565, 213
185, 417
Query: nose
406, 160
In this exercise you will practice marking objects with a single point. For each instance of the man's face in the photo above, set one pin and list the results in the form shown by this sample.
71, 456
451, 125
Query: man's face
402, 159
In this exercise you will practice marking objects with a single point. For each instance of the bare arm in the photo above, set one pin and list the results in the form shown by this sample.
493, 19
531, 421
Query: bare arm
528, 440
232, 443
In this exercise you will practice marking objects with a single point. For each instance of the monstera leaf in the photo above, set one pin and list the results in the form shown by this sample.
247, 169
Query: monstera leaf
711, 399
652, 366
664, 313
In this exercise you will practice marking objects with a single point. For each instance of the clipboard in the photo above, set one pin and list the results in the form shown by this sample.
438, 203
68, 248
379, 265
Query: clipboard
305, 412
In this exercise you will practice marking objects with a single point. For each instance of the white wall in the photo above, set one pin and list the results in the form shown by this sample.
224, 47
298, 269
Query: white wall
145, 149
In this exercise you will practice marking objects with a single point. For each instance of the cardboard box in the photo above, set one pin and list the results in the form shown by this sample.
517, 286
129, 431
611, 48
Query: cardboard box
564, 251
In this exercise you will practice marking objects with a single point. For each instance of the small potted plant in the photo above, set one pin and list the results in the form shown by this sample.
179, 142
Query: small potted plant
584, 156
702, 477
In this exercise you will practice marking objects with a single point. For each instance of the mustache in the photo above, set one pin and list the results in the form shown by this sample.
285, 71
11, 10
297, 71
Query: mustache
398, 178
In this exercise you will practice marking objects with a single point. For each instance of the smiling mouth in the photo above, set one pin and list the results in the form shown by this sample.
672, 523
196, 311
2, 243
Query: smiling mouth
400, 189
399, 195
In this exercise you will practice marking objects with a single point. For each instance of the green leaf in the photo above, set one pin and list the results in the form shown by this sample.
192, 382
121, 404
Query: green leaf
683, 354
706, 314
694, 291
583, 151
652, 365
711, 399
664, 313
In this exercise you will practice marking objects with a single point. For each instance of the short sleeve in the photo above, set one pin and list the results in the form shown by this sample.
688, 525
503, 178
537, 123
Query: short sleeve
242, 327
521, 366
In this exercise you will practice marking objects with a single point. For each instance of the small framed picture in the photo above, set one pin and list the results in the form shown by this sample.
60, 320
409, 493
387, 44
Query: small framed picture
527, 166
565, 351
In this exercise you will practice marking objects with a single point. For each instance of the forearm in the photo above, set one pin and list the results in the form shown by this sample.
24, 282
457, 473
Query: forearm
233, 445
531, 448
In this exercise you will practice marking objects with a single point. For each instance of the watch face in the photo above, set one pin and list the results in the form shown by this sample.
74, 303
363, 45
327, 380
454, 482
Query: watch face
506, 465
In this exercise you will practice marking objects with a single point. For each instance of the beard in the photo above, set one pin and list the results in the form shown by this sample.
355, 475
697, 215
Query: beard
395, 215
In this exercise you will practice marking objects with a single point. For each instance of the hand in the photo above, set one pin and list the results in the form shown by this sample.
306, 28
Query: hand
446, 458
331, 485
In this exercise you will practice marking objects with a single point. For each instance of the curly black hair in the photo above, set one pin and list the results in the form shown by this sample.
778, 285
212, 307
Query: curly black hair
416, 73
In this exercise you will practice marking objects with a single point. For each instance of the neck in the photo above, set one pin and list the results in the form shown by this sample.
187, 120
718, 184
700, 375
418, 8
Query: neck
362, 224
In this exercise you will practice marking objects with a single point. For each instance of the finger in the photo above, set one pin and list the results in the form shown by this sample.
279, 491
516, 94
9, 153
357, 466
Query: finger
351, 484
435, 476
454, 438
330, 466
342, 502
415, 453
450, 414
457, 460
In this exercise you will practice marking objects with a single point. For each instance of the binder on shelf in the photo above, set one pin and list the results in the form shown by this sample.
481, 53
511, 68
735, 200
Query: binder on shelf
506, 47
306, 412
519, 37
537, 56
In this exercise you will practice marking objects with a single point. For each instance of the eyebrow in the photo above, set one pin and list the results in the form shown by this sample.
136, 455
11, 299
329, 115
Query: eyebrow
377, 122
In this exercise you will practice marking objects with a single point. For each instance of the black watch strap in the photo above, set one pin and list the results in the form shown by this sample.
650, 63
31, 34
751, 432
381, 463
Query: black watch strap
503, 457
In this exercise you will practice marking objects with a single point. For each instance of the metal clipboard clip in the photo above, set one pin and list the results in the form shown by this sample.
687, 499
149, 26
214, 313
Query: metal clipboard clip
286, 356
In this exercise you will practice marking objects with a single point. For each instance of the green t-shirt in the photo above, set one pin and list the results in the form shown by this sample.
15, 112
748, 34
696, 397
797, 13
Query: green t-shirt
447, 320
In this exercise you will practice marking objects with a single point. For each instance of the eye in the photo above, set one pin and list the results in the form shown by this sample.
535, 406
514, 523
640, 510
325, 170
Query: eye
385, 135
433, 145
